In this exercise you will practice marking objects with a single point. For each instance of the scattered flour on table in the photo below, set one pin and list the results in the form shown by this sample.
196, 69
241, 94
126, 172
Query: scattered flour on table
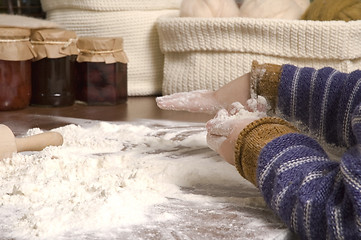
104, 176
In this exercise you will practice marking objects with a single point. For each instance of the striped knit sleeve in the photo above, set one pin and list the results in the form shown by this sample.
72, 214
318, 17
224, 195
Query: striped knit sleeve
316, 197
323, 100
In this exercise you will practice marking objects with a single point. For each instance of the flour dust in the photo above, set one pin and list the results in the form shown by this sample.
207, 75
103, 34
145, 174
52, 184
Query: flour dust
128, 180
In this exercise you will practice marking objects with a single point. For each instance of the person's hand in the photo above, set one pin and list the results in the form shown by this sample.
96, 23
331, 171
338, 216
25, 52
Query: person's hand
207, 101
195, 101
224, 128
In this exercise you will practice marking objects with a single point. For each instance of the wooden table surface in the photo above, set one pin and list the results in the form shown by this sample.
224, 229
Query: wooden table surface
232, 215
135, 108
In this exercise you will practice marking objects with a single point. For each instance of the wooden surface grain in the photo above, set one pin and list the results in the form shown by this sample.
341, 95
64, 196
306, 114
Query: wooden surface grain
135, 108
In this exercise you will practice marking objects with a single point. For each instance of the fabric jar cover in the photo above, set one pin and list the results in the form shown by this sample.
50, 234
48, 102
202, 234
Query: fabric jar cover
206, 53
54, 43
108, 50
15, 44
134, 21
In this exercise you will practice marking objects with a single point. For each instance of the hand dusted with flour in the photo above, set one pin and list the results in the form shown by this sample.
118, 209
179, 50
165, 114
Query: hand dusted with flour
207, 101
224, 128
294, 170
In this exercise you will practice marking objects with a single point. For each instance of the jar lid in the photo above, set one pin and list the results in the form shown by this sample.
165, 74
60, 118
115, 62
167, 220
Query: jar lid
15, 44
54, 43
101, 49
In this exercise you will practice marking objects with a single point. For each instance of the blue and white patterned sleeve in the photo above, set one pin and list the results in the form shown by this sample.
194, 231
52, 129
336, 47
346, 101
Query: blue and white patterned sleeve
323, 100
315, 196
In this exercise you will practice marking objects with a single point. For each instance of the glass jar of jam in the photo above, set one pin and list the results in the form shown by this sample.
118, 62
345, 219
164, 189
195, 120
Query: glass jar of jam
53, 68
101, 71
16, 54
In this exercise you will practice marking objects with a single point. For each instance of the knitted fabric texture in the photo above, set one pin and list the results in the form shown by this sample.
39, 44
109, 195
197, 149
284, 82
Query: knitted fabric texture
322, 100
345, 10
206, 53
110, 5
134, 21
265, 79
315, 196
252, 139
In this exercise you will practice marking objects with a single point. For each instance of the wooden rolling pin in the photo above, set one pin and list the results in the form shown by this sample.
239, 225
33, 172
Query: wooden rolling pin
9, 144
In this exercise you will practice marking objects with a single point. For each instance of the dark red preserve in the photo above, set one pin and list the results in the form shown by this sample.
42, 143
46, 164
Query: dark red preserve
15, 84
15, 68
101, 83
101, 71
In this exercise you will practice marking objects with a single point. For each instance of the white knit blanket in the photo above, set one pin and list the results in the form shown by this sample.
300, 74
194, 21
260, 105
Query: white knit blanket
203, 53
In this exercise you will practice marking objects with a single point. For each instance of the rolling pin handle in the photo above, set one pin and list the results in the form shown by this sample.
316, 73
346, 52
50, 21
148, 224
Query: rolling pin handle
39, 141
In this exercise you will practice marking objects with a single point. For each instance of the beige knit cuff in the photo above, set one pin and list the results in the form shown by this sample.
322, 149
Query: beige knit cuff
251, 141
265, 79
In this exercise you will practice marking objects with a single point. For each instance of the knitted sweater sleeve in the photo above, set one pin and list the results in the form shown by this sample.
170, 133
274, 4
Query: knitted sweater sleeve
322, 100
316, 197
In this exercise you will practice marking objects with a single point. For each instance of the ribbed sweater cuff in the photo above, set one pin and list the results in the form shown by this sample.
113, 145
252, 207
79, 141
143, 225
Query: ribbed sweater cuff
251, 141
265, 79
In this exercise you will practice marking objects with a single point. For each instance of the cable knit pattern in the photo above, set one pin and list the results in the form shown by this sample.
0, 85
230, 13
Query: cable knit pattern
135, 25
316, 197
207, 53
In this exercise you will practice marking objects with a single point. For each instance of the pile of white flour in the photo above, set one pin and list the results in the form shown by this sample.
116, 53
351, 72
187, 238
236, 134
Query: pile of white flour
109, 178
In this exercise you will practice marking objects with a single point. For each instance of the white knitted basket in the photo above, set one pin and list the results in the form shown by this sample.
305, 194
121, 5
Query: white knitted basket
205, 53
133, 20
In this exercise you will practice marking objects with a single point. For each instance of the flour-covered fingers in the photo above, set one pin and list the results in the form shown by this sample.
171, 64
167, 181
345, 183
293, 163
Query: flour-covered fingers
258, 104
221, 127
215, 125
235, 108
224, 129
226, 120
194, 101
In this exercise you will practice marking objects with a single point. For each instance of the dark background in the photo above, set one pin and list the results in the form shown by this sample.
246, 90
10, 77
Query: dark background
31, 8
